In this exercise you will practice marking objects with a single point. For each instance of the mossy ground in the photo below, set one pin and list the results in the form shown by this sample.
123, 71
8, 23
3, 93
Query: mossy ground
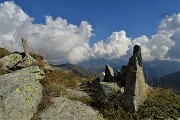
161, 104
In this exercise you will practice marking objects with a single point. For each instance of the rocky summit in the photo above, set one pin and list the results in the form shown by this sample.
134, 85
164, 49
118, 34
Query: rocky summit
22, 95
31, 89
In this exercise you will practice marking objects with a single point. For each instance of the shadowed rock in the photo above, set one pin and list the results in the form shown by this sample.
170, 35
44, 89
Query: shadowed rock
109, 74
119, 76
135, 91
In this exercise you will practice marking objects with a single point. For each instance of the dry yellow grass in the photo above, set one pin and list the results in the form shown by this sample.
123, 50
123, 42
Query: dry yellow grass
55, 84
1, 70
4, 52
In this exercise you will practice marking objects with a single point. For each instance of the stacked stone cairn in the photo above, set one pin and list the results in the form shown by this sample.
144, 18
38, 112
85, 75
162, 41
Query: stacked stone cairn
18, 60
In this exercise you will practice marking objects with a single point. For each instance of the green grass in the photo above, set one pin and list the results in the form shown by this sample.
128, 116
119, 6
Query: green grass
161, 104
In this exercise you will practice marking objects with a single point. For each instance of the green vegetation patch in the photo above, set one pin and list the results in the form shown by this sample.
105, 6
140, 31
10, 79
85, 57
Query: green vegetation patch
161, 104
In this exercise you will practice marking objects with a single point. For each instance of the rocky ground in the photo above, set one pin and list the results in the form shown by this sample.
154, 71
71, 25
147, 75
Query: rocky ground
30, 89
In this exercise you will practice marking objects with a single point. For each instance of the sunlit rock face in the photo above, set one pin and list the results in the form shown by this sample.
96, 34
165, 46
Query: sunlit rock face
20, 93
65, 109
135, 90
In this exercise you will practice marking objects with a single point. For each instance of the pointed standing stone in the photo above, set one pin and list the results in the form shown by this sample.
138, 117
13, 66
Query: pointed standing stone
109, 74
135, 91
25, 46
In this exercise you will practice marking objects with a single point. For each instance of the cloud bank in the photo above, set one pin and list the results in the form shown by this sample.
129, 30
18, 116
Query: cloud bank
65, 42
59, 40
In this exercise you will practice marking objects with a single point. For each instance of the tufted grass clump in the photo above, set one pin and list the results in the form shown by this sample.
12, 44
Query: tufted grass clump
39, 63
55, 84
4, 52
161, 104
67, 79
2, 71
37, 56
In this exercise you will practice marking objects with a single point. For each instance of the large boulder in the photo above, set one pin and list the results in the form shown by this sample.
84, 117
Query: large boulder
135, 91
20, 93
65, 109
105, 90
97, 90
109, 74
110, 89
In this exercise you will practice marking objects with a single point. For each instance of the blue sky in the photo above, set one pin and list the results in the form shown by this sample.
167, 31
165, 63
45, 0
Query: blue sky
78, 30
135, 17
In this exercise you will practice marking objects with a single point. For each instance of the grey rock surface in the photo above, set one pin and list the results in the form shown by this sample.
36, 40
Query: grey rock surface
25, 46
26, 61
65, 109
135, 90
47, 66
110, 89
72, 93
20, 93
105, 90
11, 60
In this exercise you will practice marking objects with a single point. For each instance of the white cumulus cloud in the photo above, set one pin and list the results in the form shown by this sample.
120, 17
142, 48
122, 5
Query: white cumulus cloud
163, 45
59, 40
115, 46
65, 42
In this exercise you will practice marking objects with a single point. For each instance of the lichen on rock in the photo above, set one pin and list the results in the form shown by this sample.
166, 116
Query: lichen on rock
20, 93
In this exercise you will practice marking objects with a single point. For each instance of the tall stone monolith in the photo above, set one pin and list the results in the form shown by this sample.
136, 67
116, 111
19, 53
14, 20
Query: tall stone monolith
135, 90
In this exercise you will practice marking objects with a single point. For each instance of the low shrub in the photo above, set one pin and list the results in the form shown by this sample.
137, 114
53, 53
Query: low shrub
161, 104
